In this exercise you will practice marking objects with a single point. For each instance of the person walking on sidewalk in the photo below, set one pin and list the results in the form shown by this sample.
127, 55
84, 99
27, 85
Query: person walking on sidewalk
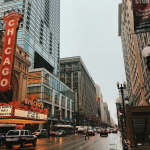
87, 134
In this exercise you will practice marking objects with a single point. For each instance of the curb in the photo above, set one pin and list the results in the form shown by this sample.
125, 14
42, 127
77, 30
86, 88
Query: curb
119, 142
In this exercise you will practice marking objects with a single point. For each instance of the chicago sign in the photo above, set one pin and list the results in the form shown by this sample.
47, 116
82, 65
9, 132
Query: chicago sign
11, 26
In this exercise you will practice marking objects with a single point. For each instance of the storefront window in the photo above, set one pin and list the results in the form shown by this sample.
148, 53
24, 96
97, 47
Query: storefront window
34, 77
34, 92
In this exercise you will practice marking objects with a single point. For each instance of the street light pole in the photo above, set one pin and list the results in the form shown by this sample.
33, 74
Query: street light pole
122, 88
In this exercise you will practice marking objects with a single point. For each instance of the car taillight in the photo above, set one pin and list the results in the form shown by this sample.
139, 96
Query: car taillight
100, 131
92, 131
19, 137
106, 131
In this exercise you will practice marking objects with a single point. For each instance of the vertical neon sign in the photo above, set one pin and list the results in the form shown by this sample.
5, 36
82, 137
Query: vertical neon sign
11, 25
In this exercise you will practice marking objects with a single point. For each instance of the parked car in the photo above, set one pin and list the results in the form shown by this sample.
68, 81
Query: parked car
2, 139
114, 131
60, 133
103, 132
20, 137
91, 132
41, 133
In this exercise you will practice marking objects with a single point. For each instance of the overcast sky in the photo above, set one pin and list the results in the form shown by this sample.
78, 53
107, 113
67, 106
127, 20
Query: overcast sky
89, 28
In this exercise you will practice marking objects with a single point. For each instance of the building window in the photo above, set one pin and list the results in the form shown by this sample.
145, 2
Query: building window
62, 75
34, 92
57, 98
63, 101
34, 77
75, 74
68, 65
69, 74
47, 94
68, 104
19, 65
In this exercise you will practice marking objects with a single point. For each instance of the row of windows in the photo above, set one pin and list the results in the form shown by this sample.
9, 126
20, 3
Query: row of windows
35, 77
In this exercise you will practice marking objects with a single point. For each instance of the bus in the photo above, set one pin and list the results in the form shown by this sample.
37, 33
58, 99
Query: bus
68, 128
4, 128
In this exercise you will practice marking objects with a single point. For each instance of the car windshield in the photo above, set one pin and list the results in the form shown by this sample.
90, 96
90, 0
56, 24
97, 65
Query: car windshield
37, 130
13, 133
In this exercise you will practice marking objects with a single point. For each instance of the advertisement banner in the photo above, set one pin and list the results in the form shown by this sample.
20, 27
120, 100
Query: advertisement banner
5, 111
29, 114
11, 26
141, 14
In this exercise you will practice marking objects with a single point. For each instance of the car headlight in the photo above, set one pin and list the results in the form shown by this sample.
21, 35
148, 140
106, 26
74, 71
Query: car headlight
60, 133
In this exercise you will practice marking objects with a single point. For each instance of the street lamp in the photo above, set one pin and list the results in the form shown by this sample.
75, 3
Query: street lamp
118, 107
126, 101
146, 54
122, 88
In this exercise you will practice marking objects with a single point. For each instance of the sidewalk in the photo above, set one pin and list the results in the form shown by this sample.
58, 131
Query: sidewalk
119, 141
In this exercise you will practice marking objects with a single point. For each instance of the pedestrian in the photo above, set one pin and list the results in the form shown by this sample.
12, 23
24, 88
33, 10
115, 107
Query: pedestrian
86, 134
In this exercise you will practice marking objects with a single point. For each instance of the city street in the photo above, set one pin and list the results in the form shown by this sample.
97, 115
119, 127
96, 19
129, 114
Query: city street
73, 142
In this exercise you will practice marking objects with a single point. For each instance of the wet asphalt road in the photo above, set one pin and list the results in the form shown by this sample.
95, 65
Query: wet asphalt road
72, 142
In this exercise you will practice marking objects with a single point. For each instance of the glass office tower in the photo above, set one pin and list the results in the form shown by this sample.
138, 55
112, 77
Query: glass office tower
39, 32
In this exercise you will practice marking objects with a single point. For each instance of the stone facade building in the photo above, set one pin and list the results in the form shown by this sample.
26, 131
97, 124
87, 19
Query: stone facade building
20, 77
75, 75
137, 75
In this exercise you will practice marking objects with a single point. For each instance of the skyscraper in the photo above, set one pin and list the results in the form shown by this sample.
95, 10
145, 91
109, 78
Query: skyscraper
76, 76
39, 31
137, 74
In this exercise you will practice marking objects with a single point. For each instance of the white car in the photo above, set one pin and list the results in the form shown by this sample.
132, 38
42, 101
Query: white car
20, 137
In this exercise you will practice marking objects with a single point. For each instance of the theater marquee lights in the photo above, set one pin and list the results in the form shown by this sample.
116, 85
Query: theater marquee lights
30, 110
11, 25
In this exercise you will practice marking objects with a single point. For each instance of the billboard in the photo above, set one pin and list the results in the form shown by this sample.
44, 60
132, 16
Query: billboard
11, 25
141, 14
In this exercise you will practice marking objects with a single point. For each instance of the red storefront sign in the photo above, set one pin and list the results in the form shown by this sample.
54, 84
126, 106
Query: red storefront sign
11, 25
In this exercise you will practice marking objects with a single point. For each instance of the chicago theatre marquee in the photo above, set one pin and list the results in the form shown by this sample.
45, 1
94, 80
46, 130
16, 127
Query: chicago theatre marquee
14, 66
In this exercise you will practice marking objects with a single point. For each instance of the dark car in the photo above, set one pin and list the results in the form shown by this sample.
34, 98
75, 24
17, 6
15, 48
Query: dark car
91, 132
20, 137
103, 132
2, 139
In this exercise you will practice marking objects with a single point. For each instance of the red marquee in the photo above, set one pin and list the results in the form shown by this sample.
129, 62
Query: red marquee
11, 25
